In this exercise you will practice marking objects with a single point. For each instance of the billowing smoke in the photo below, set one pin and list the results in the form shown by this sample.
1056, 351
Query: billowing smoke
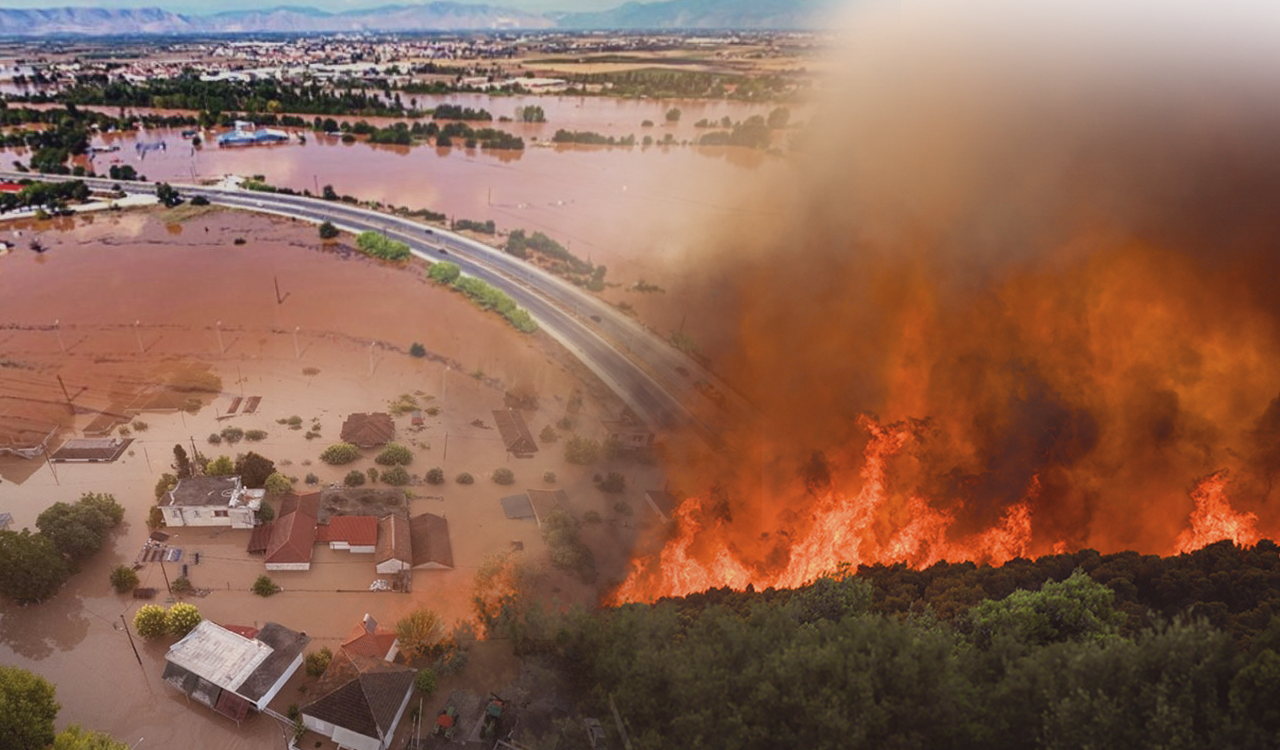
1043, 240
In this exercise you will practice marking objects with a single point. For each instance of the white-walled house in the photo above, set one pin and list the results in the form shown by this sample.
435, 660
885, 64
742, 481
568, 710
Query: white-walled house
394, 552
209, 501
360, 702
231, 672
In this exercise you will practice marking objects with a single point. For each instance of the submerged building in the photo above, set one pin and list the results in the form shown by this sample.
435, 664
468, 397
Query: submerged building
245, 133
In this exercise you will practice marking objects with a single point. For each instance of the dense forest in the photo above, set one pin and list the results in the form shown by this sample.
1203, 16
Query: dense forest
1069, 651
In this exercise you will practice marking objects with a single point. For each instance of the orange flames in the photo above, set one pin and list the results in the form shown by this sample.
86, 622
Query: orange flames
843, 529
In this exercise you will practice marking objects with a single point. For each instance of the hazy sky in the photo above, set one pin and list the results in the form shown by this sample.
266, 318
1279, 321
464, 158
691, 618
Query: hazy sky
202, 7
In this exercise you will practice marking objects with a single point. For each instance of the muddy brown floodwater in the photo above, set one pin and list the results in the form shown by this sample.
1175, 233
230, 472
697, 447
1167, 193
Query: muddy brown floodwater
178, 274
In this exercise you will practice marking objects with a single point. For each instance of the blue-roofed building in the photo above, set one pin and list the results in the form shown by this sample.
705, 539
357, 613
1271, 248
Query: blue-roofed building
244, 133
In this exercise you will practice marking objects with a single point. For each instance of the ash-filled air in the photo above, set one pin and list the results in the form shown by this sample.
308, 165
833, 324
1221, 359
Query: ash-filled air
1020, 297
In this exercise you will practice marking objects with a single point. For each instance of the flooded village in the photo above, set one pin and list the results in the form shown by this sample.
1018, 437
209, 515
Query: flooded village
319, 449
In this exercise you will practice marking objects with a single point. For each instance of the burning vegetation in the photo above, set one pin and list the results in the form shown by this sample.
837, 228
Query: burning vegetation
1018, 301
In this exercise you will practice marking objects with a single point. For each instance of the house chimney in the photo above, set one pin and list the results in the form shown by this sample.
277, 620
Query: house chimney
370, 624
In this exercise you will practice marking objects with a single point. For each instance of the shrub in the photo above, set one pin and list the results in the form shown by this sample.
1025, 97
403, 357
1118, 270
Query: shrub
394, 454
548, 434
264, 586
318, 661
311, 479
155, 518
396, 476
182, 585
433, 411
565, 423
166, 482
354, 478
504, 476
198, 200
425, 682
549, 477
149, 621
372, 474
222, 466
266, 512
232, 434
215, 439
435, 476
277, 484
255, 436
591, 516
377, 246
464, 478
444, 273
123, 579
140, 426
613, 483
181, 619
580, 450
339, 454
417, 350
328, 231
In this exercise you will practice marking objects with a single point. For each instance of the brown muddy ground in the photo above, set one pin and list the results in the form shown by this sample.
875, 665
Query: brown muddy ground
178, 280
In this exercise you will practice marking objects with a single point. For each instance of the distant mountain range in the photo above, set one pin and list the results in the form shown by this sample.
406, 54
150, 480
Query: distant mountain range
429, 16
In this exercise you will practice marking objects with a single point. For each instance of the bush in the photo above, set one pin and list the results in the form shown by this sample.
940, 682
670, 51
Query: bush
278, 484
181, 619
155, 518
294, 422
548, 434
464, 478
394, 454
264, 586
123, 579
504, 476
199, 200
549, 477
375, 245
149, 621
417, 350
232, 434
255, 436
444, 273
328, 231
354, 478
182, 585
612, 483
311, 479
222, 466
425, 682
372, 473
339, 454
396, 476
592, 516
318, 661
215, 439
266, 512
581, 451
435, 476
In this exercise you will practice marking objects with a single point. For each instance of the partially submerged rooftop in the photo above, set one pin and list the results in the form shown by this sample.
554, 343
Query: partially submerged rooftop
200, 491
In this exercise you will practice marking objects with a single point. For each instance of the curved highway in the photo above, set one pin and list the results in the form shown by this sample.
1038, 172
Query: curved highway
660, 383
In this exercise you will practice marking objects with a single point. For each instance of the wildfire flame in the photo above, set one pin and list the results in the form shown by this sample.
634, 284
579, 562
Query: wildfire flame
701, 554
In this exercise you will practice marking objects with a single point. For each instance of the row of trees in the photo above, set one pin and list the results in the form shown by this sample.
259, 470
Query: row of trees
28, 709
375, 245
51, 195
259, 96
485, 296
34, 566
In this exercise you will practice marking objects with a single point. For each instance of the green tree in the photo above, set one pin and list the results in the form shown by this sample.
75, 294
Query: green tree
504, 476
263, 586
503, 597
254, 469
123, 579
1078, 608
464, 478
266, 512
435, 475
181, 619
580, 450
79, 530
444, 272
339, 454
327, 230
417, 350
419, 632
612, 483
166, 482
149, 621
27, 710
396, 476
394, 453
425, 681
181, 462
278, 484
318, 661
31, 567
75, 738
222, 466
673, 114
548, 435
354, 478
167, 195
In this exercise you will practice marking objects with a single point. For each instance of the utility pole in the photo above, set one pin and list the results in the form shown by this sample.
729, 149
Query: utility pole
297, 352
57, 328
165, 573
70, 405
371, 345
55, 471
218, 327
136, 655
138, 335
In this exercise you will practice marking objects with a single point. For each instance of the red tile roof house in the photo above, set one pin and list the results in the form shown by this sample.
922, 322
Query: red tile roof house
394, 552
230, 672
368, 430
355, 534
293, 534
371, 639
360, 702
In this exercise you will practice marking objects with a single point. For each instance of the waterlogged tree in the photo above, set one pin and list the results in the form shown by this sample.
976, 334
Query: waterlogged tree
149, 621
318, 661
393, 454
27, 710
222, 466
79, 530
181, 619
123, 579
254, 469
75, 738
327, 230
580, 450
31, 567
503, 598
278, 484
339, 454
